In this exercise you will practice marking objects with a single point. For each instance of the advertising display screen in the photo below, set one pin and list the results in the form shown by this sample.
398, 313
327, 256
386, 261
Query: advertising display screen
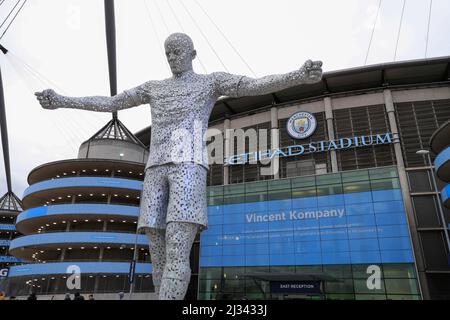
348, 218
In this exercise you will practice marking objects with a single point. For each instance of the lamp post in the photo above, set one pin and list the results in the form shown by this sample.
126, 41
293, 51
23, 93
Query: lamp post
426, 155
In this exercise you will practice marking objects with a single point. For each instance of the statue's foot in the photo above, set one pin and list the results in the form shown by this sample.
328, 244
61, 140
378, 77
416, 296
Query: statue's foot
173, 289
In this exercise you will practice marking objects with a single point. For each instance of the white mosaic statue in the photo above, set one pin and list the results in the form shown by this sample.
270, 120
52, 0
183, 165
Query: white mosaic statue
173, 203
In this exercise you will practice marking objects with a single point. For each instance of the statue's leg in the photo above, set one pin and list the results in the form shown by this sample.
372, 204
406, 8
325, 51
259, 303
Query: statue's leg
157, 247
177, 273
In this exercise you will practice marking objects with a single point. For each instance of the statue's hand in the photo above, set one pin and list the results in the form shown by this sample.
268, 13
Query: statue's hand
48, 99
313, 71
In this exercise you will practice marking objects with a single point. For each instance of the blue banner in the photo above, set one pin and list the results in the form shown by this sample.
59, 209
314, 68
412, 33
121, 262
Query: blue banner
353, 228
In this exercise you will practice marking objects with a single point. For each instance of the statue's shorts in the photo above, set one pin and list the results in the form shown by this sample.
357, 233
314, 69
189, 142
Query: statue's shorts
173, 192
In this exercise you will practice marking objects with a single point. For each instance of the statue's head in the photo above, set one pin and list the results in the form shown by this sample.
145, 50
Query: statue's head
179, 52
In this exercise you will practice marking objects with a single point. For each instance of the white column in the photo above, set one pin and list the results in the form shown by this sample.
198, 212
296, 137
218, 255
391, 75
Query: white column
420, 266
330, 129
275, 142
226, 169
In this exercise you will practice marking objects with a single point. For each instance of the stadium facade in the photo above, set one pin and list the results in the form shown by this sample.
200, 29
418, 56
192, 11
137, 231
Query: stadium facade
10, 207
345, 209
79, 221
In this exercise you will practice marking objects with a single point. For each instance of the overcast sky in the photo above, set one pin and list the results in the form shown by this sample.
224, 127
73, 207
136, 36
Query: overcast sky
61, 44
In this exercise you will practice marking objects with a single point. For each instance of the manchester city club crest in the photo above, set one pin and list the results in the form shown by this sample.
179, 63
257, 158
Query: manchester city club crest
301, 125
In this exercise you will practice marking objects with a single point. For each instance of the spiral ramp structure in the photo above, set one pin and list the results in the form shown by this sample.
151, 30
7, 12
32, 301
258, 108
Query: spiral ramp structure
79, 220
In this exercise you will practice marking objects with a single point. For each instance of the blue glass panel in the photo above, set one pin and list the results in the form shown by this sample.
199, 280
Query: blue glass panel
234, 250
210, 239
214, 230
307, 235
334, 234
333, 200
231, 218
397, 256
386, 195
389, 206
233, 228
280, 205
233, 208
215, 219
257, 260
256, 227
364, 245
253, 249
211, 261
336, 258
307, 247
256, 206
397, 243
390, 219
282, 259
257, 237
308, 259
357, 197
211, 251
215, 210
362, 257
281, 248
285, 237
306, 224
362, 220
393, 231
302, 203
335, 246
230, 261
281, 226
359, 209
334, 222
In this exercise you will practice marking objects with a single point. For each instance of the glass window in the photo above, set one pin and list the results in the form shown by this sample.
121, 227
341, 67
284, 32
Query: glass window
303, 182
303, 269
403, 297
279, 184
350, 187
340, 296
426, 211
383, 184
234, 199
380, 173
370, 297
210, 273
210, 285
233, 286
419, 181
351, 176
399, 271
256, 196
279, 194
433, 247
361, 286
304, 192
234, 189
328, 179
360, 271
329, 189
215, 201
338, 271
401, 286
282, 269
215, 191
260, 186
341, 286
233, 272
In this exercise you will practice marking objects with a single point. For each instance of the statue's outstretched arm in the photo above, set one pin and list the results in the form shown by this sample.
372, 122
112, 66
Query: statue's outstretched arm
310, 72
49, 99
